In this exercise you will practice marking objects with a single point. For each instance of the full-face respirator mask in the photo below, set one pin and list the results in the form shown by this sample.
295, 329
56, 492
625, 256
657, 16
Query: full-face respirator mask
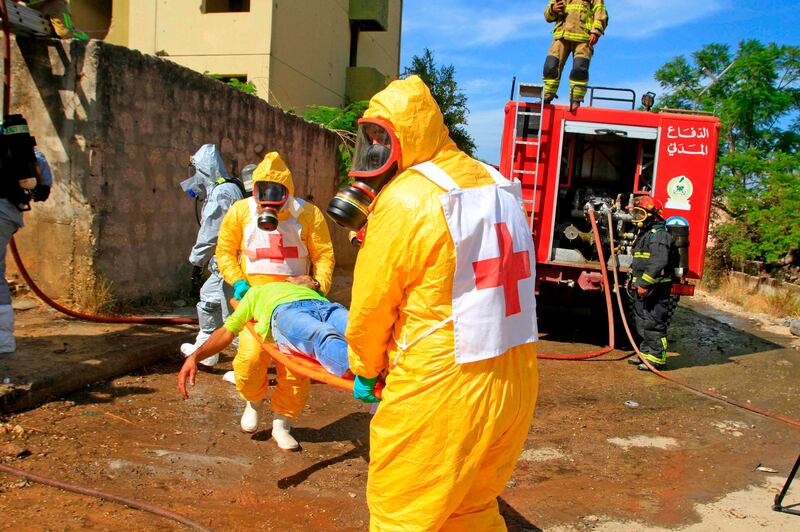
644, 208
195, 185
375, 162
270, 198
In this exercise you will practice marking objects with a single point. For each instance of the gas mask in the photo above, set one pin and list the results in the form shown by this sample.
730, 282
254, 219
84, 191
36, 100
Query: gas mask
194, 185
376, 161
645, 208
639, 216
270, 198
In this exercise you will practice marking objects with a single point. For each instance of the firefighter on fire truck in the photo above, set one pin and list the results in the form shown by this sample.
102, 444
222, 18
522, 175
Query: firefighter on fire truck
650, 284
578, 26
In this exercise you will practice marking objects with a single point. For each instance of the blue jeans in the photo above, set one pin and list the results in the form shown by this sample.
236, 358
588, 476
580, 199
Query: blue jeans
315, 328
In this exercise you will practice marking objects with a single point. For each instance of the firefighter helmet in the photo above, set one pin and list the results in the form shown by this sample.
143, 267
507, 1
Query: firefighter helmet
644, 208
650, 204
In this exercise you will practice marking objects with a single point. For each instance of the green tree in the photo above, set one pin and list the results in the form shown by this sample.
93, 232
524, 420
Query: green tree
451, 99
757, 184
342, 121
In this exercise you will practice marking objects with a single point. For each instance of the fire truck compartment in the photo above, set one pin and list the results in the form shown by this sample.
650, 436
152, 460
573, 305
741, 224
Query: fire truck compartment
602, 165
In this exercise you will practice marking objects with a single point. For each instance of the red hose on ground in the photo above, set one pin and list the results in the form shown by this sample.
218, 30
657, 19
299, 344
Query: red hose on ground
92, 317
609, 306
672, 379
169, 514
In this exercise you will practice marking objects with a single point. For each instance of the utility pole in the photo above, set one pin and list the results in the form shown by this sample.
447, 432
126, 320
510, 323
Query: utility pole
714, 78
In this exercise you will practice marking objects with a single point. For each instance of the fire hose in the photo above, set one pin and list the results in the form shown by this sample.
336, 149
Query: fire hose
146, 320
609, 307
103, 495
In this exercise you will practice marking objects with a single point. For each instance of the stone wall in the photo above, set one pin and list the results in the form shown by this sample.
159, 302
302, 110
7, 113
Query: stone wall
118, 128
763, 284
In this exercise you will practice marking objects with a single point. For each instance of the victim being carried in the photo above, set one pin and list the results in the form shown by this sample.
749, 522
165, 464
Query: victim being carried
291, 313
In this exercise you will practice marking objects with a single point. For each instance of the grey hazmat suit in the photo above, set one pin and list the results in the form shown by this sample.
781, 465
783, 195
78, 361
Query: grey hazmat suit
212, 184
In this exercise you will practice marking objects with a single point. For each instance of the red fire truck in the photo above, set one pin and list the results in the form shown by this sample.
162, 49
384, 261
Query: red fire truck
600, 159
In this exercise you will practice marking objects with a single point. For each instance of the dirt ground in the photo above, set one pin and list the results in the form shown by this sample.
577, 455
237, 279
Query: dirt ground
672, 459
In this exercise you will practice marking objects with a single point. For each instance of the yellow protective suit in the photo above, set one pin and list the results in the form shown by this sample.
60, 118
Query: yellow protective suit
251, 363
446, 436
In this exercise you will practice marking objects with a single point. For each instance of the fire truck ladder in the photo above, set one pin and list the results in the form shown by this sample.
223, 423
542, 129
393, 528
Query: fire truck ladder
25, 21
532, 120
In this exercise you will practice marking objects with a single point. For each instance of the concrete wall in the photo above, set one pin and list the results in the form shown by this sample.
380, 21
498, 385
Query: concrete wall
310, 51
296, 53
764, 285
381, 49
118, 127
220, 43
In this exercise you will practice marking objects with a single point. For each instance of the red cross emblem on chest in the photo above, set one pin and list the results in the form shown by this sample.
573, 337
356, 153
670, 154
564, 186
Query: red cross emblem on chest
506, 270
276, 252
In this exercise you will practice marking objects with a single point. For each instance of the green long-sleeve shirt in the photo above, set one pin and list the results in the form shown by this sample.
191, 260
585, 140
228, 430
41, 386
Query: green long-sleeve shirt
260, 302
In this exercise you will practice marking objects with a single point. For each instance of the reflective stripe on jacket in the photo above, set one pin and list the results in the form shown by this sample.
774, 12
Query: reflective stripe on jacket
651, 256
580, 19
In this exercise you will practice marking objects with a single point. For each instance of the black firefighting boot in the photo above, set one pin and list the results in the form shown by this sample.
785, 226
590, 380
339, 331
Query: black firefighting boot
635, 361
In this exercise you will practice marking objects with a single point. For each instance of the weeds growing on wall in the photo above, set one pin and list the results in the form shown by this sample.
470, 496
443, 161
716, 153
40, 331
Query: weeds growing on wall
342, 121
244, 86
95, 296
778, 302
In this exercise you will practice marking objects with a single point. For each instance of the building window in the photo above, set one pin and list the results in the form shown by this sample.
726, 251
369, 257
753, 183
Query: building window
226, 6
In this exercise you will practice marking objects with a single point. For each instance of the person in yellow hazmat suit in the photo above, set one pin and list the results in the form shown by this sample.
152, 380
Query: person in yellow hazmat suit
269, 237
443, 305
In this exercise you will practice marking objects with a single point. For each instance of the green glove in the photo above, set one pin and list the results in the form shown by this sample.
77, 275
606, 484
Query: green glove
364, 389
240, 288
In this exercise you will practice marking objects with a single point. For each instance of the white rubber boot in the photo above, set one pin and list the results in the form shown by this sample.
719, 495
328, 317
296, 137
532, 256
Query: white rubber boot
187, 349
230, 377
280, 433
249, 422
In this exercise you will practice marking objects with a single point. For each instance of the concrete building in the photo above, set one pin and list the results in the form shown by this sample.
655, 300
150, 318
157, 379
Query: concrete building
295, 52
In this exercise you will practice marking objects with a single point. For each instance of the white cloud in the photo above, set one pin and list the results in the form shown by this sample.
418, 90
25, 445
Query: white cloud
470, 24
634, 19
454, 24
479, 85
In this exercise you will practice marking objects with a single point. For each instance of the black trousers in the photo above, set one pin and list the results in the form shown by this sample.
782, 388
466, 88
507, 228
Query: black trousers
653, 314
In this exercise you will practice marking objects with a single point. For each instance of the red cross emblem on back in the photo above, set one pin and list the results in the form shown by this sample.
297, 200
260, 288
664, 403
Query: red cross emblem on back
276, 252
506, 270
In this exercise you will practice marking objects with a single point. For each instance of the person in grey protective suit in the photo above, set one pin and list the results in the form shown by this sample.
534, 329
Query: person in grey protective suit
210, 183
10, 221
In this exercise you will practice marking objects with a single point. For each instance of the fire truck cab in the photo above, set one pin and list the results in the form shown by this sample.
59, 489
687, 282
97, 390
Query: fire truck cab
600, 159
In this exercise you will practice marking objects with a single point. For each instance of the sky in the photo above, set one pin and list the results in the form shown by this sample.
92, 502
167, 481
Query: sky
491, 41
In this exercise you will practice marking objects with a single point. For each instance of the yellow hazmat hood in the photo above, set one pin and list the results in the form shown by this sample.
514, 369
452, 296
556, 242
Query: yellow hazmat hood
273, 169
417, 120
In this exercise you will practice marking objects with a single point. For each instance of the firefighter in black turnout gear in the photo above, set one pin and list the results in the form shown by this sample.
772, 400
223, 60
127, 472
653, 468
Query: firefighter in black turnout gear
650, 282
